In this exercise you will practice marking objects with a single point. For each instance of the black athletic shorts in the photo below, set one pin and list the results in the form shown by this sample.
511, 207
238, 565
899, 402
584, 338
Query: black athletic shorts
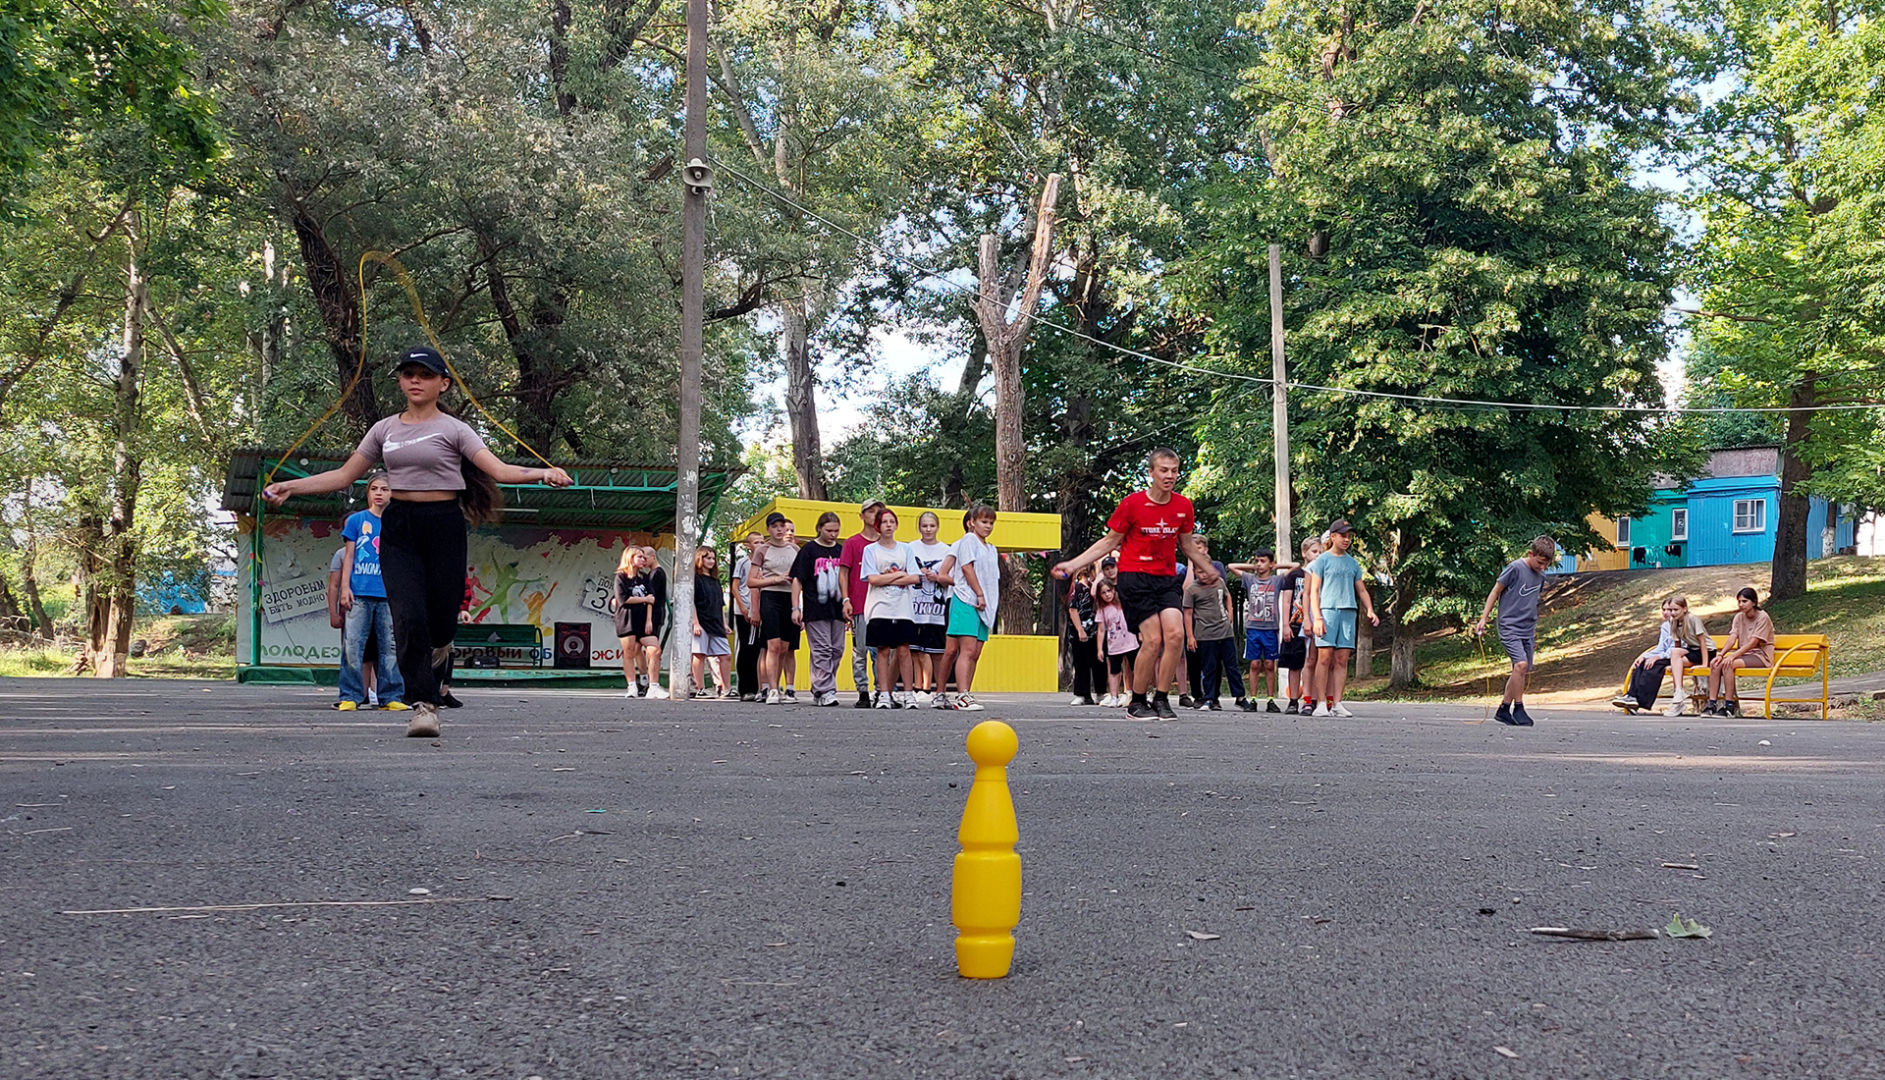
775, 619
1291, 655
889, 633
930, 638
1117, 662
1143, 595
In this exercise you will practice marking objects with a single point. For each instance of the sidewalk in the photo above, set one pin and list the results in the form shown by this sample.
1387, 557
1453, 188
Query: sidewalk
1869, 685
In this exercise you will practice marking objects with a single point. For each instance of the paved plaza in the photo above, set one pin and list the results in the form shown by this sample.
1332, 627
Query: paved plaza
658, 889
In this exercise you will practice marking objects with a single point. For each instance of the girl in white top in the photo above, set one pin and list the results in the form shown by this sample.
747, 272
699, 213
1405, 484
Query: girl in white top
888, 609
930, 607
976, 568
442, 475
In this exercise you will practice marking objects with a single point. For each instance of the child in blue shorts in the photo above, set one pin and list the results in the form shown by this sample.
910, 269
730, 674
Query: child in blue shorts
1262, 580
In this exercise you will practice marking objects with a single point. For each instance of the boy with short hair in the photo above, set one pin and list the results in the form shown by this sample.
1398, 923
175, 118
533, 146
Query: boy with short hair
1517, 592
1208, 632
1338, 596
1263, 586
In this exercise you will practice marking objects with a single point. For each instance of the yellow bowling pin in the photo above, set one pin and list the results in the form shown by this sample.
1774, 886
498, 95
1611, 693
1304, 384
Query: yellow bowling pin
985, 896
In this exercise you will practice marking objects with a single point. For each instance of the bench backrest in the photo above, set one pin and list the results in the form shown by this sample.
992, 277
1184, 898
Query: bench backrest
1797, 654
497, 635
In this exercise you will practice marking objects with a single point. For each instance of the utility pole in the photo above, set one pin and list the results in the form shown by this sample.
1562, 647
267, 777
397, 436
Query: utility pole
697, 183
1279, 406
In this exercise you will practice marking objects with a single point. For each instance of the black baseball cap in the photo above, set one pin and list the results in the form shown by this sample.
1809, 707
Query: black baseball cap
426, 357
1341, 526
774, 518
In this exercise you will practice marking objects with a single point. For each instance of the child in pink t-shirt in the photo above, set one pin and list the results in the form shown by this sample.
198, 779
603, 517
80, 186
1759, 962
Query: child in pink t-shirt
1122, 645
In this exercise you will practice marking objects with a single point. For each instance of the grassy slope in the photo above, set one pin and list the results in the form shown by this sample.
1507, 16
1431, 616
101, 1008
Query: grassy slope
179, 647
1593, 625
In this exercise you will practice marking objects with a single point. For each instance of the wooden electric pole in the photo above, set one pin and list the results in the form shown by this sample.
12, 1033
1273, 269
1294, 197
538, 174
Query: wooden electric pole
696, 184
1279, 406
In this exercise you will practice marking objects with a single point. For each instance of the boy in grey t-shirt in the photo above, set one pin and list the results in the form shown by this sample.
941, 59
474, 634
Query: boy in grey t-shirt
1209, 633
1517, 592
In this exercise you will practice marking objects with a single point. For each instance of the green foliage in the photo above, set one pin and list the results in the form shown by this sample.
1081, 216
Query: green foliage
102, 81
1791, 265
1467, 167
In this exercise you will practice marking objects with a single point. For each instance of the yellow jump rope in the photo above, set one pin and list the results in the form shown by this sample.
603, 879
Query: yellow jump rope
360, 363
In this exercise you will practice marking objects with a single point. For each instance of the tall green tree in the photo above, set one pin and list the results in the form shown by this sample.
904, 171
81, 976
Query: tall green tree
1791, 264
1452, 181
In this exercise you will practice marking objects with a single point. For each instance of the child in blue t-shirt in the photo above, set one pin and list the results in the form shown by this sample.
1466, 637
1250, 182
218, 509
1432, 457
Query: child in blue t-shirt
363, 606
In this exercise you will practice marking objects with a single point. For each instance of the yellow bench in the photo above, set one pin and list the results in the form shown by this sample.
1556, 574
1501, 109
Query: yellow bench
1796, 656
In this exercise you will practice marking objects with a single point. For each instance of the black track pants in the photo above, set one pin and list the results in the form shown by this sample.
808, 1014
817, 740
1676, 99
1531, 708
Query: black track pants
422, 561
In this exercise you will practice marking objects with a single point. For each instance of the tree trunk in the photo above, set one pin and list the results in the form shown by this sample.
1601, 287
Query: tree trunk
1401, 672
114, 644
801, 399
339, 304
29, 573
1364, 649
90, 588
1790, 539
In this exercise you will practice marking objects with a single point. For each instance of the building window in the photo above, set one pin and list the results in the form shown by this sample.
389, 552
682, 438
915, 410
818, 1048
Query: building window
1623, 532
1750, 515
1679, 523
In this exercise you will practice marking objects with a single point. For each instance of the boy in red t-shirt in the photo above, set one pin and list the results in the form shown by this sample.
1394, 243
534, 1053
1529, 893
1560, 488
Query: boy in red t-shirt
1148, 530
863, 658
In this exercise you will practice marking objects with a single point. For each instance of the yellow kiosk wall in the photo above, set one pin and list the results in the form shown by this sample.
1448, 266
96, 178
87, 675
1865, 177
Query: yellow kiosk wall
1011, 663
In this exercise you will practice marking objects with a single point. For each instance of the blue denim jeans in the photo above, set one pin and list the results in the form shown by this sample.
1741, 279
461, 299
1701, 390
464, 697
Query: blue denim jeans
369, 614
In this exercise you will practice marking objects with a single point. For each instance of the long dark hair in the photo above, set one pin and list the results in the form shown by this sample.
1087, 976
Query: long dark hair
1750, 596
482, 500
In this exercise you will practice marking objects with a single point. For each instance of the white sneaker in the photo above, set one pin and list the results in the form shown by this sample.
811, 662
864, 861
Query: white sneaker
774, 697
658, 691
922, 698
883, 701
1076, 700
1322, 709
940, 700
909, 701
1341, 710
1121, 700
965, 703
1677, 707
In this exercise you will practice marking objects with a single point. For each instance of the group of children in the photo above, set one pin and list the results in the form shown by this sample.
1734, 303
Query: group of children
1298, 632
918, 612
1683, 642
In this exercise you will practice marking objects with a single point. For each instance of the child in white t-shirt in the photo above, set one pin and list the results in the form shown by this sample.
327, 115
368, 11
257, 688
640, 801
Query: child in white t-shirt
889, 623
930, 607
976, 568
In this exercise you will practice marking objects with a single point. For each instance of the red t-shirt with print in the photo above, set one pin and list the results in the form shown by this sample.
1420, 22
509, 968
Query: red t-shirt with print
1151, 530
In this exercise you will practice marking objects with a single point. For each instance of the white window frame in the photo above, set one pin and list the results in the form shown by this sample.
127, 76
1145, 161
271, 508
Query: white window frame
1679, 523
1756, 516
1623, 532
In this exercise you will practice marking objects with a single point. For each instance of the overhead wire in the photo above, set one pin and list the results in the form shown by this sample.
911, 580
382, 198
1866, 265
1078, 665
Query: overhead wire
941, 275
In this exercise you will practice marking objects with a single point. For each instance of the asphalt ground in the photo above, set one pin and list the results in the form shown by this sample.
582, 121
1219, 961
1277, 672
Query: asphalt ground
664, 889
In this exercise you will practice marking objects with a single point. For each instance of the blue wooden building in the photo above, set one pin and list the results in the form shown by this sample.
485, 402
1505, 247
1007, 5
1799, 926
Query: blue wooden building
1726, 516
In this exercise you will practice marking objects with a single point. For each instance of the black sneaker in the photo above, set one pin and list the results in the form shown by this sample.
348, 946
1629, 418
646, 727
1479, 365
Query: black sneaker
1731, 707
1162, 705
1185, 702
1141, 709
791, 695
1294, 708
863, 700
1248, 704
1504, 715
1520, 718
446, 699
1212, 706
1268, 706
